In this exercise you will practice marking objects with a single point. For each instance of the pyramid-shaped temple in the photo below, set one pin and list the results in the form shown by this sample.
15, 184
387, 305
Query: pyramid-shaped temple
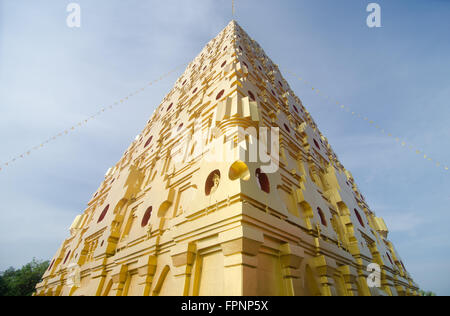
230, 189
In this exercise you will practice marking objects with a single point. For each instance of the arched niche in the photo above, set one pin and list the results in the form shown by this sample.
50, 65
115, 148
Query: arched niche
263, 181
146, 217
212, 182
358, 216
323, 219
103, 214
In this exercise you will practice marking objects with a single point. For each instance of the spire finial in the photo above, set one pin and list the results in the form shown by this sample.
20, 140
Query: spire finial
233, 8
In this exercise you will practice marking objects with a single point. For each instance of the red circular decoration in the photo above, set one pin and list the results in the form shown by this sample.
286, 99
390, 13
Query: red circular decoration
317, 144
322, 217
263, 181
287, 128
102, 216
209, 184
220, 94
146, 217
359, 218
51, 265
251, 95
67, 256
148, 141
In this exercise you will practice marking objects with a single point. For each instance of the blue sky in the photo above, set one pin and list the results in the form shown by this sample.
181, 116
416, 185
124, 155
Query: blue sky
51, 77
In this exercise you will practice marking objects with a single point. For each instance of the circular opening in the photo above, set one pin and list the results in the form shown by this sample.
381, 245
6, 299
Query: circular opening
260, 68
263, 181
184, 82
51, 265
322, 217
359, 218
67, 256
251, 95
287, 128
195, 90
317, 144
148, 141
146, 217
224, 63
225, 48
102, 216
212, 182
220, 94
239, 170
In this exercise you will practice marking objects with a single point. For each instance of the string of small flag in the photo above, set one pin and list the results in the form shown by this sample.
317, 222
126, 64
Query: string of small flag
85, 121
347, 109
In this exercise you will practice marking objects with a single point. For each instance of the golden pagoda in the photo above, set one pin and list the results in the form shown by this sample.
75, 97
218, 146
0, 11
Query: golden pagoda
230, 190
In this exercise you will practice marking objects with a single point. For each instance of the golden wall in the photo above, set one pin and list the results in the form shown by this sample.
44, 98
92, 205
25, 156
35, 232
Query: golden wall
189, 210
